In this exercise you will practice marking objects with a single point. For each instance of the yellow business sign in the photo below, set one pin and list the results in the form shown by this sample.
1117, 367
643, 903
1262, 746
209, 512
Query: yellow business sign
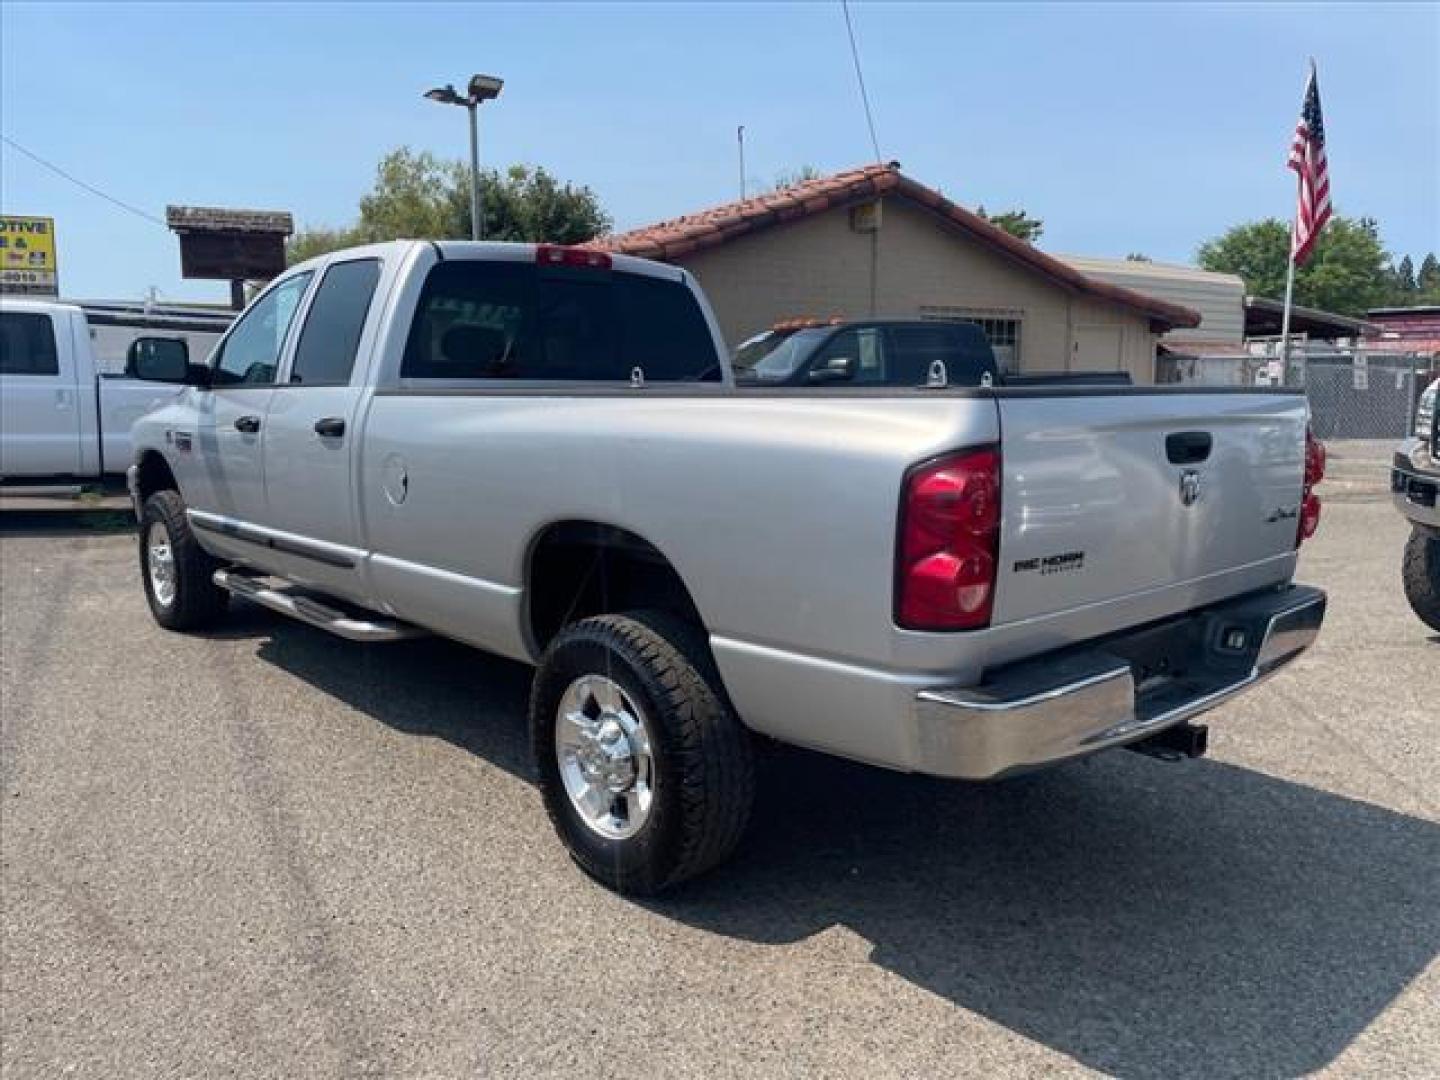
27, 254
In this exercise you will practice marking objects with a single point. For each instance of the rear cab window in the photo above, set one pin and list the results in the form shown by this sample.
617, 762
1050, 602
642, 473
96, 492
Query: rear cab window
27, 344
526, 323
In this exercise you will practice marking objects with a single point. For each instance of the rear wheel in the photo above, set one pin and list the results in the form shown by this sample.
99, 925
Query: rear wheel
176, 571
647, 774
1421, 573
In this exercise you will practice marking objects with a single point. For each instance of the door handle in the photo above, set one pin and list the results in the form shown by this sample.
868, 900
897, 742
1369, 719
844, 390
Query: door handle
248, 424
331, 427
1188, 447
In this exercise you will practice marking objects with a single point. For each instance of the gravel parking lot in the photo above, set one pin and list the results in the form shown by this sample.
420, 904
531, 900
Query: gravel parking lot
271, 853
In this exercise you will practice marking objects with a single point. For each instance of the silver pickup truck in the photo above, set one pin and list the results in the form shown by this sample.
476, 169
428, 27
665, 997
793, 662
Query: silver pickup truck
541, 451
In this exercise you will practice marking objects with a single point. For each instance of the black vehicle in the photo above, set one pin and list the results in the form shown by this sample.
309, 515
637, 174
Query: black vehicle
884, 352
865, 352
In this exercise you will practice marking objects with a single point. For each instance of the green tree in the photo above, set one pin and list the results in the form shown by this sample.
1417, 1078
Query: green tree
1428, 279
1345, 273
424, 197
416, 195
528, 204
1137, 256
1016, 222
307, 243
1405, 286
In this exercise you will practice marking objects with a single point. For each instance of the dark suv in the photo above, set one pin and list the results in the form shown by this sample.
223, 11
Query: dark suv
865, 352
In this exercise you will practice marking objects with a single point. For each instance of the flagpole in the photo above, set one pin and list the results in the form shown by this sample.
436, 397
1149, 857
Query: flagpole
1290, 268
1285, 318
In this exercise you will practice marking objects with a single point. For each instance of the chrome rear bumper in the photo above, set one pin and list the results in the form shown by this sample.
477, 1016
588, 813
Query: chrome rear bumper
1079, 701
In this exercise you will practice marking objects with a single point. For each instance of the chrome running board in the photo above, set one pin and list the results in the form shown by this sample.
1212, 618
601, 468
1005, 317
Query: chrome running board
355, 626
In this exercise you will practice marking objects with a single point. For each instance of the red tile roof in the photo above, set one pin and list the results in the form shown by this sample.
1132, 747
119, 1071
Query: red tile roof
671, 240
1402, 345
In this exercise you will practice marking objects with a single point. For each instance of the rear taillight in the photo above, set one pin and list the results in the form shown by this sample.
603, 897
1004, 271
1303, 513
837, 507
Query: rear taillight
949, 542
556, 255
1309, 501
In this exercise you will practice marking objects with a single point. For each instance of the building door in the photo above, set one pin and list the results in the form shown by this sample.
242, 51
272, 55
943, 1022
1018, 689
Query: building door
1097, 348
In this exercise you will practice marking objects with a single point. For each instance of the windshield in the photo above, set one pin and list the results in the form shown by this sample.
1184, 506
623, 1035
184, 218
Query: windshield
774, 355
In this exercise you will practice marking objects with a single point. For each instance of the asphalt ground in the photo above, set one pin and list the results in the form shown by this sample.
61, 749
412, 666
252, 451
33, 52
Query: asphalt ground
271, 853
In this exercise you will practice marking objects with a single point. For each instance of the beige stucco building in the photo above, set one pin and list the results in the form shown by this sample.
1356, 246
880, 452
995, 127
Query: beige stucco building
873, 242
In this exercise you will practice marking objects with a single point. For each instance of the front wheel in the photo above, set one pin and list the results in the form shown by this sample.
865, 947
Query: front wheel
1421, 573
647, 774
176, 571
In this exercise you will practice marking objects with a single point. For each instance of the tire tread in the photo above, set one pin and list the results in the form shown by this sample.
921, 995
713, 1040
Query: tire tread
1420, 572
199, 602
711, 749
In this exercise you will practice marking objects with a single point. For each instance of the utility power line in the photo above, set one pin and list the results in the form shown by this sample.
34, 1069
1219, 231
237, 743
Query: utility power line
81, 183
860, 78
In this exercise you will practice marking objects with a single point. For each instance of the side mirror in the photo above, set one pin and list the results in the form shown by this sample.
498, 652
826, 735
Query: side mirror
158, 360
835, 369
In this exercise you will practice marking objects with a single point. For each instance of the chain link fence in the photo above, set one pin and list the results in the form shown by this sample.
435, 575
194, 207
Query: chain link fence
1359, 395
1354, 393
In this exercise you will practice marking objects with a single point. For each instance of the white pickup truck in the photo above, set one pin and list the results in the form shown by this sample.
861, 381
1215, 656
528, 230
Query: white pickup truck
541, 451
63, 423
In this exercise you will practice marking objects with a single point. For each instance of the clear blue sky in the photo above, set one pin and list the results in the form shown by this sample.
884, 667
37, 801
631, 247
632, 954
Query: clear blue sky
1127, 128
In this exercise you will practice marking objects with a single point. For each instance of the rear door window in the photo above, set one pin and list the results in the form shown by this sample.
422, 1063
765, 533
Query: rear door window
27, 344
518, 321
325, 355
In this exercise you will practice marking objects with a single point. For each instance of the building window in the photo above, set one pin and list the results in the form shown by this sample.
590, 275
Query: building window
1002, 328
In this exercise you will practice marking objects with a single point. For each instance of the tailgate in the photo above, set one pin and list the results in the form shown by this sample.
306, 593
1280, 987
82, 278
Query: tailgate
1106, 496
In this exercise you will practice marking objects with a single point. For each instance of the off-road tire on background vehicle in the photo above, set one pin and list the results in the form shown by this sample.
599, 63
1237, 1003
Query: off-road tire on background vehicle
198, 602
703, 756
1421, 573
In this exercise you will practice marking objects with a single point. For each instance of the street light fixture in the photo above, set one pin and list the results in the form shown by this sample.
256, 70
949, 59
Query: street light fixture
481, 88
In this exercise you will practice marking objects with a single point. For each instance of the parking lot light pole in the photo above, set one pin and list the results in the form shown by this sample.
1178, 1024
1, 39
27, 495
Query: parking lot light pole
481, 88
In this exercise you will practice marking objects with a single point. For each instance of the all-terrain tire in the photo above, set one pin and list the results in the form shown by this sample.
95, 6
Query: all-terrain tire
1421, 573
703, 758
189, 599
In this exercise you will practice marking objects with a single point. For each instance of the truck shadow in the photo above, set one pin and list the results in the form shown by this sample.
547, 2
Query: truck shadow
1144, 919
1148, 920
64, 521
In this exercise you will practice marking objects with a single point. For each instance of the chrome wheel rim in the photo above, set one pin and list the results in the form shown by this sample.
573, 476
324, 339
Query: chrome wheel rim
602, 746
160, 561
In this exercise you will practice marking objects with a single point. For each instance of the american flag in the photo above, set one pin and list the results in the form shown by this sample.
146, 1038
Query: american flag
1307, 158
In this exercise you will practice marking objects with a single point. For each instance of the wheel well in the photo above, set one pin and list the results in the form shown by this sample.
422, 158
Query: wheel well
155, 475
582, 568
